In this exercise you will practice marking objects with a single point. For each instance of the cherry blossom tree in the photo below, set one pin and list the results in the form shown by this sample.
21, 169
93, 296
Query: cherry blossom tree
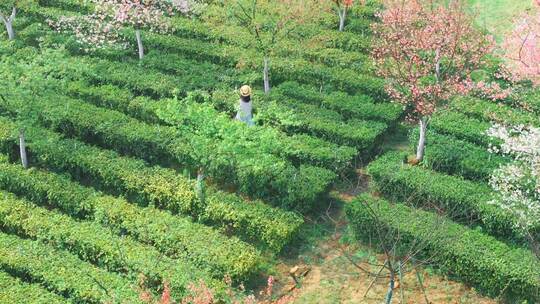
8, 12
518, 182
522, 46
102, 28
426, 50
341, 8
269, 21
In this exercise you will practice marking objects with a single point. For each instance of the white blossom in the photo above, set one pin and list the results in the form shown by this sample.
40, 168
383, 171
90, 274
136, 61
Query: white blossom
517, 183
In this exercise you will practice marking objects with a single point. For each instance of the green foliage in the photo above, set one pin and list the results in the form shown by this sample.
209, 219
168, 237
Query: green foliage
298, 148
462, 127
465, 201
7, 5
351, 107
491, 266
265, 177
530, 100
15, 291
176, 236
490, 111
155, 186
62, 272
96, 244
458, 157
285, 69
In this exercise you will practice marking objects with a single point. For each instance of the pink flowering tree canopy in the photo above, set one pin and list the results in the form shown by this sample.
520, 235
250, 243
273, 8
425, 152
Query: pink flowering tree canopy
426, 51
102, 28
8, 12
522, 46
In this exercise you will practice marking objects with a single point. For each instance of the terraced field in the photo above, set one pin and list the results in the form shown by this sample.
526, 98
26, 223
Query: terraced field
115, 145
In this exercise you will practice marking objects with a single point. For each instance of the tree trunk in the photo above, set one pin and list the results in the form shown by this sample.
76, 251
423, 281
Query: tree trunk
22, 149
534, 244
422, 140
9, 29
390, 292
8, 22
139, 44
266, 76
342, 15
200, 185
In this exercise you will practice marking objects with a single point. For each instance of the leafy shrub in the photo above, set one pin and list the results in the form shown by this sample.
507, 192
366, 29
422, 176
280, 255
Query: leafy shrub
160, 187
350, 106
96, 244
462, 127
450, 155
63, 272
463, 253
16, 291
176, 236
463, 200
491, 111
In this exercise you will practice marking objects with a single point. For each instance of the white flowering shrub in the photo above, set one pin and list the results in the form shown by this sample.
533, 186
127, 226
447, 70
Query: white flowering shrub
518, 183
101, 28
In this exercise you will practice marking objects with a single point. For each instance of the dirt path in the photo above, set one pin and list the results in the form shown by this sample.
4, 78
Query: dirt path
325, 274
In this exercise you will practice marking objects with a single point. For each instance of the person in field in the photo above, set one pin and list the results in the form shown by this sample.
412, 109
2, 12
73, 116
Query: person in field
245, 111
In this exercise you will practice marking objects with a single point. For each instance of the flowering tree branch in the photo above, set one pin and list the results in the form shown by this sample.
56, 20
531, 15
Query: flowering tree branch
102, 28
522, 46
517, 183
426, 51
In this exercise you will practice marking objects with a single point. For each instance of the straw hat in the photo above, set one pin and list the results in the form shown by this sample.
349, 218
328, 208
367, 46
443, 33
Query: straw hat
245, 90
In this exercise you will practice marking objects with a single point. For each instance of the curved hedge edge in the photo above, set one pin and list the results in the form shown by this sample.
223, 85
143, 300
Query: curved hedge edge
97, 245
63, 272
156, 186
15, 291
465, 201
461, 252
447, 154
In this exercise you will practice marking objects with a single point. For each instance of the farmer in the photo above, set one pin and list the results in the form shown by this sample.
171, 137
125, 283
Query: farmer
245, 112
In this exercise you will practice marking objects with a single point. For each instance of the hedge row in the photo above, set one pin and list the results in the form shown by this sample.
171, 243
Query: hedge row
491, 111
328, 158
458, 157
463, 200
176, 236
63, 273
323, 123
291, 117
324, 52
260, 176
301, 148
530, 100
350, 106
317, 152
466, 254
155, 186
98, 245
462, 127
15, 291
184, 27
346, 41
298, 148
69, 5
282, 69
